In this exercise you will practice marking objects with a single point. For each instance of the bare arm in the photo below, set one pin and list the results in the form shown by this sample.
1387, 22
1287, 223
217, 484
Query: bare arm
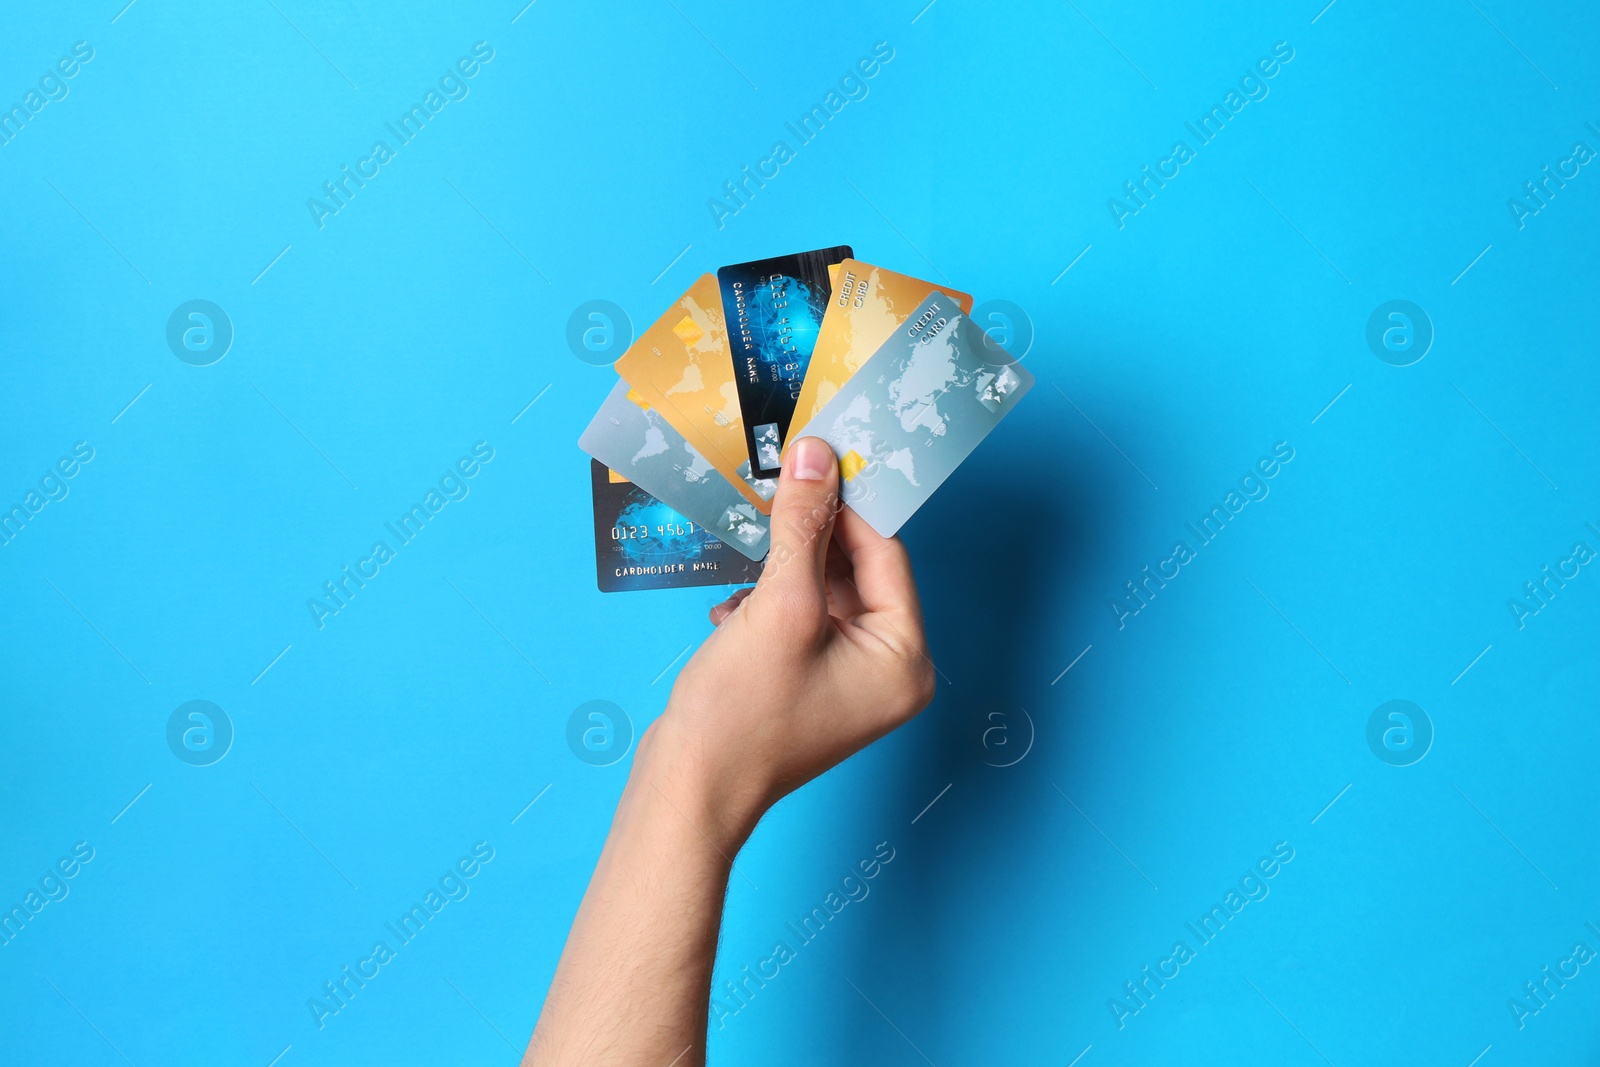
823, 657
632, 983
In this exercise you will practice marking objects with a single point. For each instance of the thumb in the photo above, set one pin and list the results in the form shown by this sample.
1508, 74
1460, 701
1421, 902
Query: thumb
802, 521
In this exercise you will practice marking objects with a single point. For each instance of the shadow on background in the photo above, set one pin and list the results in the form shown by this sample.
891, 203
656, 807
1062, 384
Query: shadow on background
999, 555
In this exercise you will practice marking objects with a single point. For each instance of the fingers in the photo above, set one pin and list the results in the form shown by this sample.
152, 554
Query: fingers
882, 567
802, 522
844, 599
883, 580
720, 612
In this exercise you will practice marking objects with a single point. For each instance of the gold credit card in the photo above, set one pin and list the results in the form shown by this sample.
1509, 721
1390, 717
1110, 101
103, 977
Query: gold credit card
868, 305
683, 368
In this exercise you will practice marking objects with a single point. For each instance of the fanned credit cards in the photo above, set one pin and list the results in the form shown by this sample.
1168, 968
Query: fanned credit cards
685, 452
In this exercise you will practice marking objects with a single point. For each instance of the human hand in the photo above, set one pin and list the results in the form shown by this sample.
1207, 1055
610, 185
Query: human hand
824, 655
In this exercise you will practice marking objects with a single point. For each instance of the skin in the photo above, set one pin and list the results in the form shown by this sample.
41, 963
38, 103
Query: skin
836, 627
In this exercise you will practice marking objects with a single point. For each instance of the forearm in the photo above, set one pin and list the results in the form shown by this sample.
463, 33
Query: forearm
633, 980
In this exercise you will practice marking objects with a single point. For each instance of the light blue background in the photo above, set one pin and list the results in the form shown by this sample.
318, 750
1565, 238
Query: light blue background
426, 715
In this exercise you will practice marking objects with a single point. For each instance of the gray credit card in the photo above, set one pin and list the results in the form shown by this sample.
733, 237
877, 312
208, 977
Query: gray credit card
632, 439
915, 410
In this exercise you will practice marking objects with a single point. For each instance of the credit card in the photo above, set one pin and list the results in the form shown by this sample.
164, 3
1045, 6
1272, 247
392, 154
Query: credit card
636, 442
868, 304
774, 308
915, 410
682, 366
640, 543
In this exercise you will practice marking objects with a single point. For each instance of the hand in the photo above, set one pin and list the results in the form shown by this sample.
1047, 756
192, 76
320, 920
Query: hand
824, 655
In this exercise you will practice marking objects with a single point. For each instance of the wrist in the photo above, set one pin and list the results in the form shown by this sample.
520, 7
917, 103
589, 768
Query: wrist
673, 768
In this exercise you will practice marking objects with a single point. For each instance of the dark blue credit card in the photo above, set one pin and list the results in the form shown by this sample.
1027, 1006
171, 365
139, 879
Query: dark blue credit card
640, 543
774, 308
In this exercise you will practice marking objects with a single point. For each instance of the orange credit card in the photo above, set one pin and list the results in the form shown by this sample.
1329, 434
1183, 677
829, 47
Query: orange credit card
868, 304
683, 367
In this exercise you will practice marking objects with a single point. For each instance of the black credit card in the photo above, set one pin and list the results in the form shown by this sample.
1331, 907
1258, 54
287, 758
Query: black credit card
774, 309
640, 543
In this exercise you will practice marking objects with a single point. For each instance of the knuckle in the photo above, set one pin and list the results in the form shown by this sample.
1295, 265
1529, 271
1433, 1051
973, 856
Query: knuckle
921, 681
